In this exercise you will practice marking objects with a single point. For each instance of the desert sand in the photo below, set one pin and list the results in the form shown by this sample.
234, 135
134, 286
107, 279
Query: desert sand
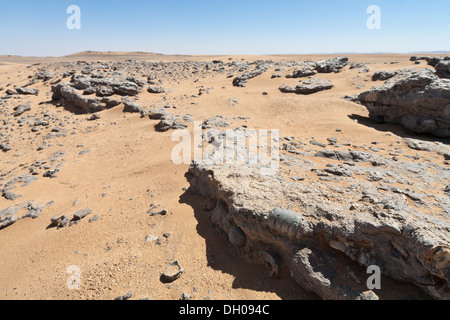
127, 167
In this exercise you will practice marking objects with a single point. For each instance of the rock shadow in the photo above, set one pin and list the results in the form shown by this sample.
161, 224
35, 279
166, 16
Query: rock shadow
221, 256
396, 129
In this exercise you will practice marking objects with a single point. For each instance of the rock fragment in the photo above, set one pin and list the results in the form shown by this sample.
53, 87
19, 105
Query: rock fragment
172, 272
27, 91
19, 110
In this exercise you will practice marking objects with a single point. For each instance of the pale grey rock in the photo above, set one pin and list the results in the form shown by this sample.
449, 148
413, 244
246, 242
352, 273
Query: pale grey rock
417, 99
328, 226
331, 65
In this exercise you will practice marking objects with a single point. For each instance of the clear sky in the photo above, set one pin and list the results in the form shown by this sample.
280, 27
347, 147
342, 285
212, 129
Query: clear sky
38, 27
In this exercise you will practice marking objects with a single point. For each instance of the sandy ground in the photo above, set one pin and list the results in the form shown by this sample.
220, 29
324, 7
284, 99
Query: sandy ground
129, 168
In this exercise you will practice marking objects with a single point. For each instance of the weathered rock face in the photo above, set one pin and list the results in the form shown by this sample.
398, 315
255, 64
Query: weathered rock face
169, 124
168, 120
358, 65
331, 65
362, 209
417, 99
44, 75
441, 65
443, 69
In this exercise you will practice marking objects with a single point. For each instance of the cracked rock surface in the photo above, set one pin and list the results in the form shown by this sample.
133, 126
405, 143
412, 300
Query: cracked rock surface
359, 210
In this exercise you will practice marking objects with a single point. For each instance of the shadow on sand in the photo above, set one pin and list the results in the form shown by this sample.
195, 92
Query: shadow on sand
247, 275
396, 129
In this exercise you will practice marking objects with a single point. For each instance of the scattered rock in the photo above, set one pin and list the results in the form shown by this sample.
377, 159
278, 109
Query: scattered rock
134, 107
358, 65
301, 72
51, 173
241, 80
156, 89
19, 110
126, 296
27, 91
169, 124
81, 214
185, 296
60, 221
44, 75
94, 218
161, 212
82, 153
150, 238
94, 117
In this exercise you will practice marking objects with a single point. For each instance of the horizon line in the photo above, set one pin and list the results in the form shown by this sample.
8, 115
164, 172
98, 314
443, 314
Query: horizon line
225, 54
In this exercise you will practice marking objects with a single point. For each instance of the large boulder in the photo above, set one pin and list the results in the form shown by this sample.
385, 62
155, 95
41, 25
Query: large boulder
331, 65
417, 99
71, 97
443, 69
355, 212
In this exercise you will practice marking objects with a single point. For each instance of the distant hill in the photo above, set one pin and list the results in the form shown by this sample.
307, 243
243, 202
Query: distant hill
432, 52
111, 53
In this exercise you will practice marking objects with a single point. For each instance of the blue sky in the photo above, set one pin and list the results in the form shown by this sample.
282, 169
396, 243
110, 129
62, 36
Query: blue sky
38, 28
